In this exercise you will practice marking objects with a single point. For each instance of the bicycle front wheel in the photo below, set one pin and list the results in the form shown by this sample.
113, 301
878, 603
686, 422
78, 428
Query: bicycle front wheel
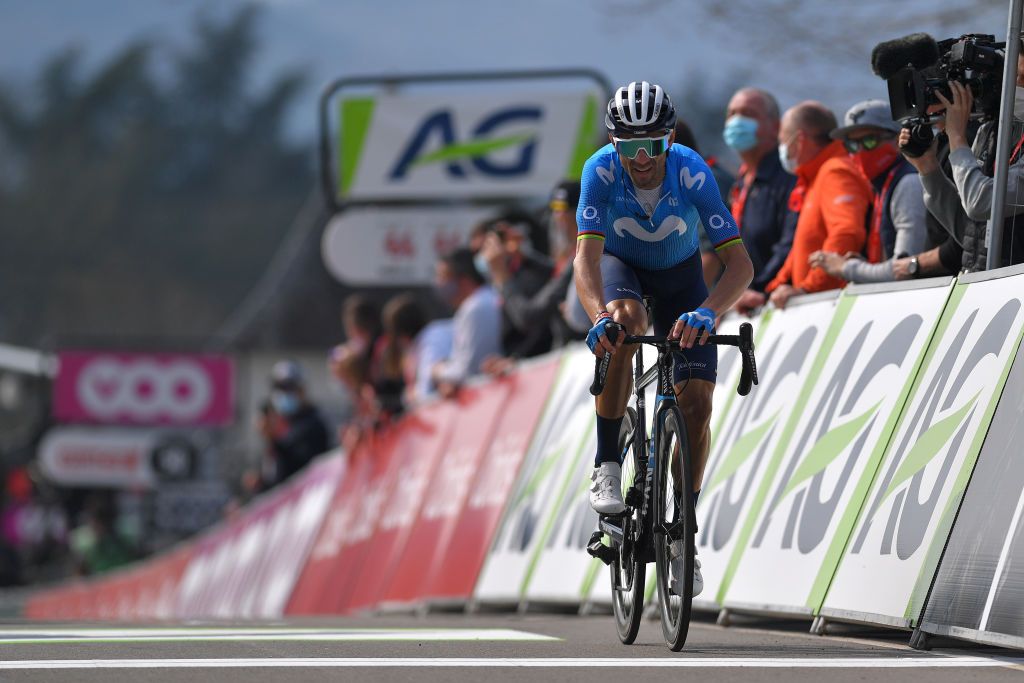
628, 571
674, 526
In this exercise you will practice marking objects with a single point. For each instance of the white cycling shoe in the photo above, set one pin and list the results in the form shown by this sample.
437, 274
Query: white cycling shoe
675, 554
606, 489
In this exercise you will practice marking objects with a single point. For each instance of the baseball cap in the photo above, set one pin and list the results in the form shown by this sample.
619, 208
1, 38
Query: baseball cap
286, 374
866, 114
565, 196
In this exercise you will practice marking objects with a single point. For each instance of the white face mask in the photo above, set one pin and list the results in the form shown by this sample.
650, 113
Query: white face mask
789, 165
1018, 103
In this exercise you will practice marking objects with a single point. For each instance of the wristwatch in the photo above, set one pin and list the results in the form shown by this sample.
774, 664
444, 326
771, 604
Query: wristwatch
914, 267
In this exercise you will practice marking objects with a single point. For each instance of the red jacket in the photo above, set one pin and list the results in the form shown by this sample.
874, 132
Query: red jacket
832, 217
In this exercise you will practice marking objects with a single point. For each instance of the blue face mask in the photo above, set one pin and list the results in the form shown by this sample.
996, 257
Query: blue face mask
740, 133
285, 402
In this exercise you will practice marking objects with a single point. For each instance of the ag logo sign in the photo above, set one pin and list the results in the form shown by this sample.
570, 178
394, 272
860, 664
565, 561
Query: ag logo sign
436, 142
460, 145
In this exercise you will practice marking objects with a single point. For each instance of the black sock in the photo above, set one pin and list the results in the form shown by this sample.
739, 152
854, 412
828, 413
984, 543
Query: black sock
607, 440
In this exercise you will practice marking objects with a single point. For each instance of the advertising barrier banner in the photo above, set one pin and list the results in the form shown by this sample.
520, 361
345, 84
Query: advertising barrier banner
919, 484
143, 388
429, 541
748, 432
512, 559
979, 588
452, 575
331, 558
859, 381
420, 438
248, 568
458, 145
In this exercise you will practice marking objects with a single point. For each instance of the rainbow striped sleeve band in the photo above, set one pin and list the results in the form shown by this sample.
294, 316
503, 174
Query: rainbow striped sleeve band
589, 235
728, 243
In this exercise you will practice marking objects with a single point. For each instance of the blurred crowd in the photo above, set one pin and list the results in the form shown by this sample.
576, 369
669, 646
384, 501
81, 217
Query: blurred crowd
821, 201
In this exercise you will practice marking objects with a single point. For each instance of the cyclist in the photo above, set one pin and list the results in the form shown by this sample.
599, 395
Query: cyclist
642, 197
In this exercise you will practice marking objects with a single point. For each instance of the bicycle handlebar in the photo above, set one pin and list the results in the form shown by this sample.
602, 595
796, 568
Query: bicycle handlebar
744, 341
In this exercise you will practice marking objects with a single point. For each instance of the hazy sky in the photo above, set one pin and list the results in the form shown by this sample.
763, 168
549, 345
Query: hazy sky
797, 48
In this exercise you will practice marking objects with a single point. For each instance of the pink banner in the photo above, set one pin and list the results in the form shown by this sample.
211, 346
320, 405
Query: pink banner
143, 388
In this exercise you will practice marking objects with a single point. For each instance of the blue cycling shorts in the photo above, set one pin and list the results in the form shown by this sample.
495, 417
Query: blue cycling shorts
676, 290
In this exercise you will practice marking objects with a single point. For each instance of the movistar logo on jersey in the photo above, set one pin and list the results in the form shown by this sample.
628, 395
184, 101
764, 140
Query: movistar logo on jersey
435, 141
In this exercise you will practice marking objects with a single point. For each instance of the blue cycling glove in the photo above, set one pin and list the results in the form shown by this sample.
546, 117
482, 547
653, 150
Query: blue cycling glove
701, 319
597, 331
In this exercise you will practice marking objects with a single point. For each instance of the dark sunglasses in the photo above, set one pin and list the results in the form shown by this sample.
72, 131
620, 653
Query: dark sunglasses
866, 143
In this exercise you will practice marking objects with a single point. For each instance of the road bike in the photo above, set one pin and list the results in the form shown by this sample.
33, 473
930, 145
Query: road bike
656, 485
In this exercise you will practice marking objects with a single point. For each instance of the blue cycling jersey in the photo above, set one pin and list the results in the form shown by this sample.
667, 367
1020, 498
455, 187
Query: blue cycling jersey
609, 209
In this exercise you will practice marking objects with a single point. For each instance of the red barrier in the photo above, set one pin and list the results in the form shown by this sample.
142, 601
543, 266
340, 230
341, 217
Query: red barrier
317, 588
420, 440
477, 415
453, 574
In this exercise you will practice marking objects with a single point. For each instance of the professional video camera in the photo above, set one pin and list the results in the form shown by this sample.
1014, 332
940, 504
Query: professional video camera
917, 67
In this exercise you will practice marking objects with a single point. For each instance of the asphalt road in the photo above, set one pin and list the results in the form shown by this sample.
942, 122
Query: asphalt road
495, 648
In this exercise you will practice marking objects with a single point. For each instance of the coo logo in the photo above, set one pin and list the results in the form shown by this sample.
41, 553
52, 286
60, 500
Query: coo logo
144, 390
938, 426
440, 127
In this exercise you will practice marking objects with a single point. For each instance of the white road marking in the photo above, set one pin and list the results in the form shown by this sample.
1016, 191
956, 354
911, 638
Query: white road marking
525, 662
101, 635
1003, 554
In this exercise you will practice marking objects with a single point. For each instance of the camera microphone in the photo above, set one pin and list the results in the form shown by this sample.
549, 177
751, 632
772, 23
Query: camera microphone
918, 50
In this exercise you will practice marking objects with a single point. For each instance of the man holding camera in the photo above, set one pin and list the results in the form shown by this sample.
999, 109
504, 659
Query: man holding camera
964, 203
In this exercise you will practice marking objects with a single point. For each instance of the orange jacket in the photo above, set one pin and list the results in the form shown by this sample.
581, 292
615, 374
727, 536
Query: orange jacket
832, 218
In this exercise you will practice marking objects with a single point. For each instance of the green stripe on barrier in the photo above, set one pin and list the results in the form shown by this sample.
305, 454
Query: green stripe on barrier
842, 311
566, 485
851, 516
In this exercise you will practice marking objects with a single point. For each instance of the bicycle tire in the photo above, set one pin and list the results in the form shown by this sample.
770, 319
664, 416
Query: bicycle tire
629, 574
673, 516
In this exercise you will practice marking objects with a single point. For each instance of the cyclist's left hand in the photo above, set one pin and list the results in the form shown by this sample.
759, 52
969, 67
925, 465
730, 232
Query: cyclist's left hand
694, 327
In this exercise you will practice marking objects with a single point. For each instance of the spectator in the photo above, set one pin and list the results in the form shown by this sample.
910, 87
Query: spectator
349, 362
292, 426
98, 544
710, 261
517, 275
432, 346
540, 315
833, 195
760, 199
403, 319
964, 203
476, 332
898, 218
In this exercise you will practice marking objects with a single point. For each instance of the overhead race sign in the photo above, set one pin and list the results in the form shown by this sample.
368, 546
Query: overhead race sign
500, 143
820, 472
917, 489
393, 246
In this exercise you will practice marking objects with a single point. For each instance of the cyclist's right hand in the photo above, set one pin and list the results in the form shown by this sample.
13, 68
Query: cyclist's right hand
597, 337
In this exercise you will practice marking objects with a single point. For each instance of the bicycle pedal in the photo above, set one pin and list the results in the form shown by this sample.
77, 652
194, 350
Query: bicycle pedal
595, 548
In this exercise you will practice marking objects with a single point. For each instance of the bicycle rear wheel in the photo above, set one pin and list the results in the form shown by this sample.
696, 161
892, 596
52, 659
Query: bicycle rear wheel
674, 520
628, 570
